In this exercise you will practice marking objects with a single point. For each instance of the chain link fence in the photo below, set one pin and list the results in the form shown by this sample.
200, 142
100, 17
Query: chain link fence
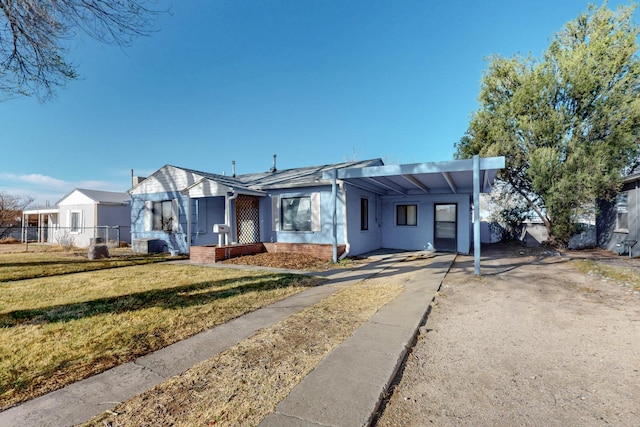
112, 236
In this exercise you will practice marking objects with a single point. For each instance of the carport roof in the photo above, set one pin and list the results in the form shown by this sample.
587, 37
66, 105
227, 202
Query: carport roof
448, 177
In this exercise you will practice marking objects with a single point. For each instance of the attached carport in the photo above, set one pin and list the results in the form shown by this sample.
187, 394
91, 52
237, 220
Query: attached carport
463, 177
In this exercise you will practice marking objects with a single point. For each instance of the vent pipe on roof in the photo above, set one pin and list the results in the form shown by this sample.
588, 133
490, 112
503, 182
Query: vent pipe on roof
233, 168
273, 168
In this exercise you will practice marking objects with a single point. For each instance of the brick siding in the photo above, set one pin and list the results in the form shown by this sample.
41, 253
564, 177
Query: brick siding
313, 249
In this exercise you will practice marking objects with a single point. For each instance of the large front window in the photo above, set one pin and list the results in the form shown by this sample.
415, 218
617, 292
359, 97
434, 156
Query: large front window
163, 215
296, 213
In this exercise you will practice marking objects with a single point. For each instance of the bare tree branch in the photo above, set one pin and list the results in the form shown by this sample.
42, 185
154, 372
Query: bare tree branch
11, 208
32, 58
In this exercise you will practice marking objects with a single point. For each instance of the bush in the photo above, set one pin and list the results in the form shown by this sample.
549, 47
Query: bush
65, 241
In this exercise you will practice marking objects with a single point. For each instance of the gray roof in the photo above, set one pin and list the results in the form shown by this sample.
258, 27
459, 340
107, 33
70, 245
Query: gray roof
107, 197
285, 178
299, 176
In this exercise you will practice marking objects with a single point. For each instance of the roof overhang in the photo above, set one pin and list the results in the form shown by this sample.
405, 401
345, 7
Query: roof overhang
207, 187
631, 178
448, 177
40, 211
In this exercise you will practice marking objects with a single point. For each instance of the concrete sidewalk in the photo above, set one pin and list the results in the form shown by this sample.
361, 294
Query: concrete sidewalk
347, 386
344, 389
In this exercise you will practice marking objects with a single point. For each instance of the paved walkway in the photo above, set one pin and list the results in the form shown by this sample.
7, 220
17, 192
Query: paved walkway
345, 389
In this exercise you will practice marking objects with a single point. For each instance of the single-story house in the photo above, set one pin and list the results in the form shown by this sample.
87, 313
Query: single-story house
83, 217
618, 221
353, 207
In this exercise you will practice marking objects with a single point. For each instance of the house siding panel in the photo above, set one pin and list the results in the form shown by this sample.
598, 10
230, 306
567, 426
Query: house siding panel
634, 218
362, 241
115, 215
166, 179
205, 212
173, 241
81, 238
76, 198
418, 237
324, 233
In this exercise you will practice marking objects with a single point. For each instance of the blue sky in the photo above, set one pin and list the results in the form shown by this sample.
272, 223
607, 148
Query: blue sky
314, 82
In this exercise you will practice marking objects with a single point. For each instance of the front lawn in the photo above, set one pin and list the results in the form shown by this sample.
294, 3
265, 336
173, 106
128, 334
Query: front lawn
59, 329
28, 265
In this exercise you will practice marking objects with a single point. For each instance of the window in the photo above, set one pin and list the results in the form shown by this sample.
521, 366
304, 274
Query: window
162, 214
407, 215
364, 214
75, 222
296, 213
622, 212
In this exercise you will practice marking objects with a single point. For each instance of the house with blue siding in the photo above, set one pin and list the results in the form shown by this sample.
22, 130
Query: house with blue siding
618, 220
355, 207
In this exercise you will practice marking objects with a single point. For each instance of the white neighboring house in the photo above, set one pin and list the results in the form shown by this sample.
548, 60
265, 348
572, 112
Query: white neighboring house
83, 217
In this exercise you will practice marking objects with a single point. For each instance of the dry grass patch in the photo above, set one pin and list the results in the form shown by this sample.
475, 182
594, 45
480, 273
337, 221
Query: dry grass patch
243, 384
60, 329
29, 265
619, 273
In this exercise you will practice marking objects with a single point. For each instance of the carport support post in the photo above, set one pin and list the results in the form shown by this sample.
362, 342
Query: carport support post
334, 210
476, 215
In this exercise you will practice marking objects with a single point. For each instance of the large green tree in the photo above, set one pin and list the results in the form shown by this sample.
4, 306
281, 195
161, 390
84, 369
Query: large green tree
568, 123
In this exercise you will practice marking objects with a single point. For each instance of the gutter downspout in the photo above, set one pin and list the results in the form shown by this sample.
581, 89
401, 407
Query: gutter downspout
227, 212
188, 224
96, 223
334, 214
347, 248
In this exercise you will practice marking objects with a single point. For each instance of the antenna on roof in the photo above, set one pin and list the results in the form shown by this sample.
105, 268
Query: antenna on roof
233, 168
273, 168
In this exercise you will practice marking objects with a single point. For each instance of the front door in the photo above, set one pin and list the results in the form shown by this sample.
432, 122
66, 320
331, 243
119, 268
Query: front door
446, 227
248, 219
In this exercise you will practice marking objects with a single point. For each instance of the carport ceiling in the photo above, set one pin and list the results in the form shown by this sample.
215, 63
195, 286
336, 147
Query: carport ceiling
450, 177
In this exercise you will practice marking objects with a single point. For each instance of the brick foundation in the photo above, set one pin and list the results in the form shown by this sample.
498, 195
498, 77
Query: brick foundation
211, 254
313, 249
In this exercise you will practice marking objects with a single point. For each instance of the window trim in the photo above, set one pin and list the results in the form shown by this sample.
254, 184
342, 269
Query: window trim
406, 214
622, 208
77, 230
167, 225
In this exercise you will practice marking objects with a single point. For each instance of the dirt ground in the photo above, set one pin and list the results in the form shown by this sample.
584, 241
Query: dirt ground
532, 342
283, 260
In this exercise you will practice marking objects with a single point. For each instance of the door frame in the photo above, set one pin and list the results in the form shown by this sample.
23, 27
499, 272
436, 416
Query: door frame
445, 244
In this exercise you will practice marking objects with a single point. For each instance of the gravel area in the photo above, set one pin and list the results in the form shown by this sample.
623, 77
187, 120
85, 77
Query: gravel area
532, 342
